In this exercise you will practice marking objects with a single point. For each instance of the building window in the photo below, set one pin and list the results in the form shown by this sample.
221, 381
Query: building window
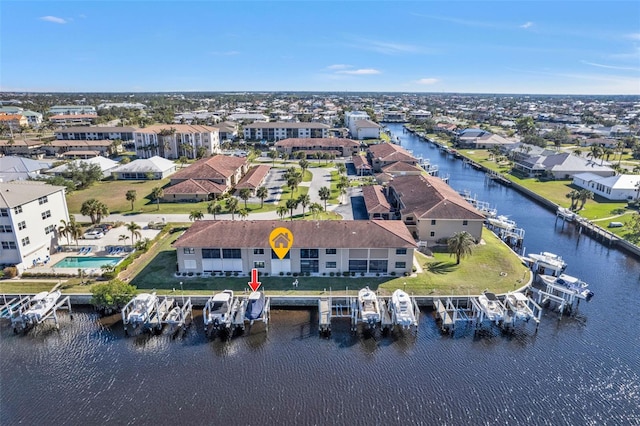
433, 221
401, 265
4, 212
46, 214
233, 253
43, 200
258, 251
275, 256
17, 209
308, 253
25, 241
465, 222
49, 229
259, 264
22, 225
310, 265
330, 265
378, 265
401, 251
189, 250
211, 253
330, 251
432, 234
5, 228
9, 245
358, 265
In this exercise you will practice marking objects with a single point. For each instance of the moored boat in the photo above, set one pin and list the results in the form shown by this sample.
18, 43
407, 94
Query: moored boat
518, 303
502, 222
566, 214
491, 306
138, 310
369, 307
255, 306
40, 305
402, 308
547, 263
218, 309
568, 284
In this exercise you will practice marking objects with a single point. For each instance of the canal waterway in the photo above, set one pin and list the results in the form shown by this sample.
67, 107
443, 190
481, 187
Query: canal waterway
578, 370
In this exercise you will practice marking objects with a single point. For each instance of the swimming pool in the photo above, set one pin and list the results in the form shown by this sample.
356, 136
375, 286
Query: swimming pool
86, 262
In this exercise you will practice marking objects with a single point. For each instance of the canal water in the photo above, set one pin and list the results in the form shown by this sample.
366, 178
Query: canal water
578, 370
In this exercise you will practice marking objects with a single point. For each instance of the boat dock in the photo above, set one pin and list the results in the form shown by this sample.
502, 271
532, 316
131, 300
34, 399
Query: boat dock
16, 310
163, 311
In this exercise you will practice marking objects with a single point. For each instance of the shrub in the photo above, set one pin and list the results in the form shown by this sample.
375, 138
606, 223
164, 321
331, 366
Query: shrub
227, 274
353, 274
377, 274
235, 274
10, 271
198, 274
112, 295
281, 273
345, 274
331, 274
362, 274
295, 274
266, 274
288, 274
190, 274
393, 273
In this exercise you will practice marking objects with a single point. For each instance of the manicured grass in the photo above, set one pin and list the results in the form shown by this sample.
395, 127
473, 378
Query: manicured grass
286, 193
307, 176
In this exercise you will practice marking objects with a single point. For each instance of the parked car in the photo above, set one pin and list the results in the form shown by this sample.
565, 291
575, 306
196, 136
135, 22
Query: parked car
104, 227
93, 234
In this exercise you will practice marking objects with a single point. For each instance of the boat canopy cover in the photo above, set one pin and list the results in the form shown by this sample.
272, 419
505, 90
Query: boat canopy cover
255, 305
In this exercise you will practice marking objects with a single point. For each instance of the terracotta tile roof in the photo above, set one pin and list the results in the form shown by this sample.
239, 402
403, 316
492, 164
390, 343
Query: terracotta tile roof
375, 200
87, 143
390, 152
254, 177
360, 162
10, 117
317, 142
430, 197
192, 186
22, 142
400, 166
79, 152
216, 167
306, 234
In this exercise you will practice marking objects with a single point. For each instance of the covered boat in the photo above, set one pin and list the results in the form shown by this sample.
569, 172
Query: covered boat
255, 306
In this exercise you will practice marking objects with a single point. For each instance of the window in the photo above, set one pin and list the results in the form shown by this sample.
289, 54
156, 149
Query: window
258, 251
275, 256
330, 265
43, 200
49, 229
17, 209
330, 251
233, 253
465, 222
401, 251
4, 212
259, 264
189, 250
310, 265
308, 253
46, 214
401, 265
25, 241
432, 234
378, 265
358, 265
5, 228
9, 245
22, 225
211, 253
433, 221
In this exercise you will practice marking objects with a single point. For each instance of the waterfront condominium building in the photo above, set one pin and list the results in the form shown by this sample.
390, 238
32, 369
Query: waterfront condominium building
350, 118
318, 247
30, 213
95, 133
177, 140
275, 131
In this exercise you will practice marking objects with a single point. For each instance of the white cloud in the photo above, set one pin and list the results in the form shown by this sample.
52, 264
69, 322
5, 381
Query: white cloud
362, 71
634, 36
53, 19
428, 81
612, 67
339, 67
527, 25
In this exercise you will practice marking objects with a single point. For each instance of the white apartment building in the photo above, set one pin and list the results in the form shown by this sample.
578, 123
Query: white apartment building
172, 141
72, 110
30, 213
276, 131
350, 118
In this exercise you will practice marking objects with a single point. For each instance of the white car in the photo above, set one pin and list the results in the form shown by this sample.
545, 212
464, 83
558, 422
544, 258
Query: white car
93, 235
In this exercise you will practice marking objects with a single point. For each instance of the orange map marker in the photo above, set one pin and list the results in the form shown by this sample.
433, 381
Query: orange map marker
281, 240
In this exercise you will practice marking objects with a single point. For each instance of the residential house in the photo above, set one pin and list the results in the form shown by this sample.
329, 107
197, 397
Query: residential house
78, 148
73, 119
558, 165
13, 121
276, 131
105, 164
30, 213
376, 203
361, 165
34, 119
394, 117
95, 133
366, 129
339, 147
350, 118
14, 168
176, 140
22, 147
144, 168
432, 210
254, 178
480, 139
252, 117
319, 247
613, 188
383, 154
72, 110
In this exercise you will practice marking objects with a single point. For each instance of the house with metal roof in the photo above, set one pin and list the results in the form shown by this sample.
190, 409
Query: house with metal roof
145, 168
614, 188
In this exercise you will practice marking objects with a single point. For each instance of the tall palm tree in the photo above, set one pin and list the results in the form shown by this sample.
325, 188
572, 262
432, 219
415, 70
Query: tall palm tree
315, 209
132, 196
304, 165
243, 213
65, 230
156, 194
94, 209
291, 206
214, 208
196, 215
342, 185
273, 155
262, 193
573, 195
70, 229
460, 245
282, 210
304, 201
232, 206
342, 169
595, 152
325, 194
134, 228
245, 194
123, 238
583, 196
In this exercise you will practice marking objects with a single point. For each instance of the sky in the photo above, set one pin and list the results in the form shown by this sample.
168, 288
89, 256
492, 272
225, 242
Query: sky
538, 47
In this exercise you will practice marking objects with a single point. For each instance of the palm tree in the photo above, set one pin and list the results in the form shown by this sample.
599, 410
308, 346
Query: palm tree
195, 215
232, 206
243, 213
282, 211
342, 169
315, 209
245, 194
620, 145
273, 155
607, 152
134, 228
94, 209
583, 196
156, 194
304, 165
214, 208
342, 185
123, 238
595, 152
132, 195
70, 229
64, 230
304, 201
460, 245
577, 152
262, 193
291, 206
573, 195
325, 194
293, 178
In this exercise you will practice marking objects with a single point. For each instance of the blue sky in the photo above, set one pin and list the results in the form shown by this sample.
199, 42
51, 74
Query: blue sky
573, 47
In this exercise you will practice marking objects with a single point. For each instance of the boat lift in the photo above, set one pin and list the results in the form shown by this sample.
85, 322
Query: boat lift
15, 311
236, 320
330, 307
180, 316
156, 317
450, 314
389, 319
529, 310
564, 298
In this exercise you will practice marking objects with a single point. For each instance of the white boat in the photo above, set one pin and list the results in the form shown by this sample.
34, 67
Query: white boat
369, 307
566, 214
518, 303
138, 310
491, 306
40, 305
402, 308
568, 284
218, 310
502, 222
548, 263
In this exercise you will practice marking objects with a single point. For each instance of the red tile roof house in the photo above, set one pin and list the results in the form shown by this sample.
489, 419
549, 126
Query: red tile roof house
319, 247
383, 154
341, 146
432, 210
206, 179
254, 178
376, 202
